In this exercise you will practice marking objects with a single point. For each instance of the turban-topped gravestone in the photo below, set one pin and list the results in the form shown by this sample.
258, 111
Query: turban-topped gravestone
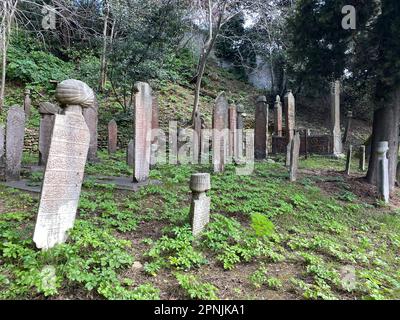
64, 172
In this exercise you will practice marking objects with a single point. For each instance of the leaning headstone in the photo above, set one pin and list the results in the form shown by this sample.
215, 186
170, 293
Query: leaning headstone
14, 142
383, 170
2, 140
27, 103
278, 117
261, 128
347, 131
91, 117
47, 112
220, 133
112, 136
348, 159
142, 131
64, 172
130, 155
362, 158
335, 120
294, 157
200, 205
290, 113
232, 130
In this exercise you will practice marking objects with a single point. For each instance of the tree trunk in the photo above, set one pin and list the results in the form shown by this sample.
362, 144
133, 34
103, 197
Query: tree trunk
104, 52
386, 128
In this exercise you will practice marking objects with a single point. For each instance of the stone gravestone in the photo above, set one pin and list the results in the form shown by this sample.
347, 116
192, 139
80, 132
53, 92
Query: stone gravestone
383, 170
290, 114
65, 167
278, 117
91, 117
27, 103
47, 112
347, 131
348, 159
294, 157
232, 114
239, 132
335, 120
200, 205
14, 142
142, 131
130, 156
220, 133
261, 128
154, 126
362, 158
112, 136
288, 153
2, 140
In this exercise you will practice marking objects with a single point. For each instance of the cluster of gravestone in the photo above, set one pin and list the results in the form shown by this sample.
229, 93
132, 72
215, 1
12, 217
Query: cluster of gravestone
68, 139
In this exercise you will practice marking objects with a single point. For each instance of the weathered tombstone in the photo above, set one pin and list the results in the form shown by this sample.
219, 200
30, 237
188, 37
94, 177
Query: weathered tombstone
232, 131
278, 117
294, 157
288, 153
290, 115
239, 132
64, 172
261, 128
130, 153
348, 159
200, 205
2, 140
307, 133
14, 142
91, 117
362, 158
27, 103
383, 170
335, 120
220, 133
142, 131
347, 131
112, 136
47, 112
154, 132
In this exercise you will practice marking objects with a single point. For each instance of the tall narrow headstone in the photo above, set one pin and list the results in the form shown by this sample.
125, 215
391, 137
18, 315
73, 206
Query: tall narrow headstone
27, 103
154, 131
261, 128
2, 140
307, 133
220, 133
142, 131
239, 132
278, 117
130, 153
200, 205
362, 158
65, 167
47, 112
91, 117
112, 136
14, 142
348, 159
288, 153
347, 131
232, 130
294, 157
290, 115
335, 120
383, 170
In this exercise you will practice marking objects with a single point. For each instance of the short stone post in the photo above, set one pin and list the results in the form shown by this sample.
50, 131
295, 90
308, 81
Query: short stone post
112, 136
362, 158
278, 117
348, 160
15, 132
27, 103
65, 166
383, 170
347, 131
200, 205
294, 157
47, 112
261, 128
